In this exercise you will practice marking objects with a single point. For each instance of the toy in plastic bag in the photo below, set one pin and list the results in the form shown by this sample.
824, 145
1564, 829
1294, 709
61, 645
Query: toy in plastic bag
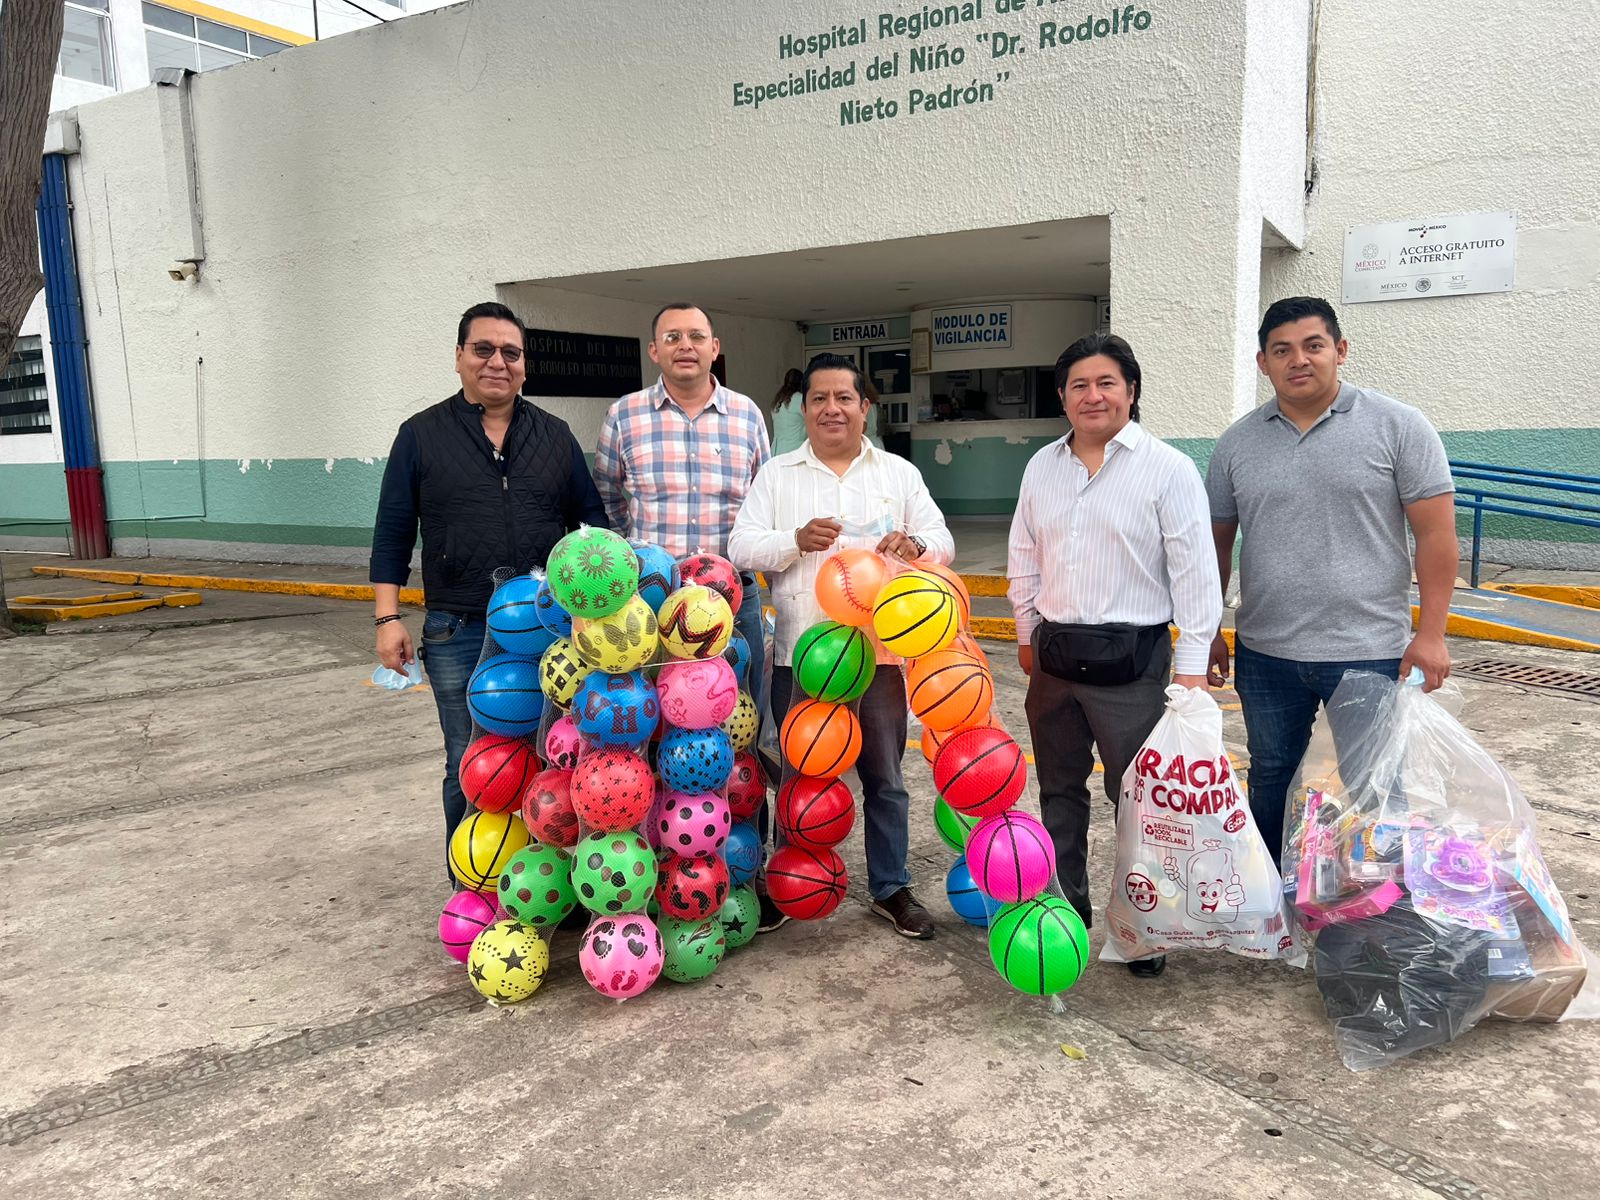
1410, 856
1193, 872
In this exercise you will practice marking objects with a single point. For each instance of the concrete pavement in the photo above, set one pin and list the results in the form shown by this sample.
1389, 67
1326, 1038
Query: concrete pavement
221, 856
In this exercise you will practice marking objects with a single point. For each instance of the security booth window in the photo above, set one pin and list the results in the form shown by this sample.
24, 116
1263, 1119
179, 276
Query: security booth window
24, 403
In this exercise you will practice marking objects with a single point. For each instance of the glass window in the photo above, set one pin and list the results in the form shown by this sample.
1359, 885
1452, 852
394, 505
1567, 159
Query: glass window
222, 35
165, 18
211, 57
176, 39
86, 45
168, 51
24, 403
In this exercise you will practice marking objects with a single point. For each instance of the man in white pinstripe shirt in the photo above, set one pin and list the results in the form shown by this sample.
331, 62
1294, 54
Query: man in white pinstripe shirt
838, 490
1111, 543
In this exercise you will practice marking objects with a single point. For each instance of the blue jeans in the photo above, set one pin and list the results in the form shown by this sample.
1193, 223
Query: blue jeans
450, 649
886, 806
1280, 698
748, 623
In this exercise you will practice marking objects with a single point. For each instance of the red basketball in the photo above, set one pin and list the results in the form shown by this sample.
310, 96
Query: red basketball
815, 813
980, 772
806, 884
692, 889
715, 572
495, 771
747, 786
612, 789
547, 809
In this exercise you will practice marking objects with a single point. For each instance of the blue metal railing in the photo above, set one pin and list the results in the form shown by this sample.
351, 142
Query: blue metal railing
1471, 494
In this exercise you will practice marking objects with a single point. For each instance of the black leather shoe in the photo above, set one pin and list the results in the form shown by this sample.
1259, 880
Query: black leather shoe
1148, 968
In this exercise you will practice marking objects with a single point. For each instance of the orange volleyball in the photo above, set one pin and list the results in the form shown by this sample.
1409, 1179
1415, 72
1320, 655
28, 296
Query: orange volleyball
821, 739
949, 690
963, 597
847, 584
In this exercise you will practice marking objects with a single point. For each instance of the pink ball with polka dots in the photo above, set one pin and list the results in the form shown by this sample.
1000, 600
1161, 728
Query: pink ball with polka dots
693, 826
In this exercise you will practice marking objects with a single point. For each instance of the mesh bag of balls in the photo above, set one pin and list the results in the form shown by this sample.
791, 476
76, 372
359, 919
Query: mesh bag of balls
611, 777
1004, 878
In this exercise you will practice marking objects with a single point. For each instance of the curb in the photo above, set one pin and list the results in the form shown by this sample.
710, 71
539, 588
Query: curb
229, 583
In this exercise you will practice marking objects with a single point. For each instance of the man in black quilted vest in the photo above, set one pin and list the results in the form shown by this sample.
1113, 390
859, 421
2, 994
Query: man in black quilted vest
493, 482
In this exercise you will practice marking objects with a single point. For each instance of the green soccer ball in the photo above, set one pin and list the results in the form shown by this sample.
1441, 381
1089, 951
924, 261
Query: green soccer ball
592, 572
834, 662
1039, 946
953, 827
694, 948
613, 872
536, 886
740, 914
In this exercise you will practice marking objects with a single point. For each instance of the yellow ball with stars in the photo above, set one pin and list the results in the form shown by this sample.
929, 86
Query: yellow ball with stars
507, 962
743, 723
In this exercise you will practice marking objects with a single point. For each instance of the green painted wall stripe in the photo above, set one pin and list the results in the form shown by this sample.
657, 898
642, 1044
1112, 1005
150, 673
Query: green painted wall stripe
304, 502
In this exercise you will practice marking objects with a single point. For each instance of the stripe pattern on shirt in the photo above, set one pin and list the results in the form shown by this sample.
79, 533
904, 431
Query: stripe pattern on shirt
1130, 545
674, 481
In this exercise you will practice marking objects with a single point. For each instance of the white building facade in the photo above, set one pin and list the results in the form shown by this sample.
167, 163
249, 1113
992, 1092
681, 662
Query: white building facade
111, 46
948, 193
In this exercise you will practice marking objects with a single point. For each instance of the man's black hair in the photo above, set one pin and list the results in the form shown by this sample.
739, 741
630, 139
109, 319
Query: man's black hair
493, 310
679, 306
1114, 348
833, 362
1296, 308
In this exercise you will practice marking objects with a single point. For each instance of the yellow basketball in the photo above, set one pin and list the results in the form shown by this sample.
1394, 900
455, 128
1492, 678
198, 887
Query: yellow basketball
742, 724
562, 672
507, 962
695, 622
482, 845
621, 642
915, 614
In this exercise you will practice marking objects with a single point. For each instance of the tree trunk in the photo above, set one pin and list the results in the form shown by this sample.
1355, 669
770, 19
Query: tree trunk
30, 43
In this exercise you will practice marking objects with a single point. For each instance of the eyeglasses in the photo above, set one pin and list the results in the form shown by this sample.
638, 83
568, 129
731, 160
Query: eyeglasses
674, 337
487, 350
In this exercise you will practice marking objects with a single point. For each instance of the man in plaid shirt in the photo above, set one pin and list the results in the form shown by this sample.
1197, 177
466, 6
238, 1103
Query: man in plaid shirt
674, 461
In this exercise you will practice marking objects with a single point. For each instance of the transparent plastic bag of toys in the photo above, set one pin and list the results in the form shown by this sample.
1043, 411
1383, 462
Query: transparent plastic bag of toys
1412, 860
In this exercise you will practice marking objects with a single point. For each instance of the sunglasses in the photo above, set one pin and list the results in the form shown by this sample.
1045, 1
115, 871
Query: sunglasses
487, 350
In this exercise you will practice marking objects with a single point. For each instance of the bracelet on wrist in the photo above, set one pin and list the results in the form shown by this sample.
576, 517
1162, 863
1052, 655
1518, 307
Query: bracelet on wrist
387, 619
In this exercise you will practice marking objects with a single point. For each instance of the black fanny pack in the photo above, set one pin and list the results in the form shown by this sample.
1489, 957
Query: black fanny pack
1102, 655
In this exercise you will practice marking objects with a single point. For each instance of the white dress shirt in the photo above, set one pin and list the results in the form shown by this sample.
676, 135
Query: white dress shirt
877, 494
1130, 545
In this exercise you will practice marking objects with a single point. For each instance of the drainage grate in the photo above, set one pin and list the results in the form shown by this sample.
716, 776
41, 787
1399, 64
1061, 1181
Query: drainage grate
1546, 679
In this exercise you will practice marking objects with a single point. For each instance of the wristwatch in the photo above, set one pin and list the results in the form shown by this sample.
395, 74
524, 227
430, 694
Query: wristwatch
921, 545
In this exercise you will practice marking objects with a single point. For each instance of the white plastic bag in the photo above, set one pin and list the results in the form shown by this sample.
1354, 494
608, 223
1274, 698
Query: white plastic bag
1192, 870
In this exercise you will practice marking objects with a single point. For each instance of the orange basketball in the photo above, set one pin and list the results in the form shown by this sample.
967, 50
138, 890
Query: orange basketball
821, 739
848, 583
966, 642
934, 739
963, 597
949, 690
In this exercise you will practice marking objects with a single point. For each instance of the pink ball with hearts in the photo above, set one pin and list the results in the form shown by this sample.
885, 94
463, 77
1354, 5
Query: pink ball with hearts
694, 826
563, 744
699, 693
621, 956
1011, 856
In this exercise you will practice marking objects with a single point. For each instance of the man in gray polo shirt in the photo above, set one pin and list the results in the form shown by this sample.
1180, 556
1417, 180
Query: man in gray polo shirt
1322, 481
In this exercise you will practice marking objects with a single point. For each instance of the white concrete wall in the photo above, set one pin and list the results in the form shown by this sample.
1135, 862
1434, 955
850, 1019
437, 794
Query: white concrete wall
757, 351
410, 170
1474, 106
